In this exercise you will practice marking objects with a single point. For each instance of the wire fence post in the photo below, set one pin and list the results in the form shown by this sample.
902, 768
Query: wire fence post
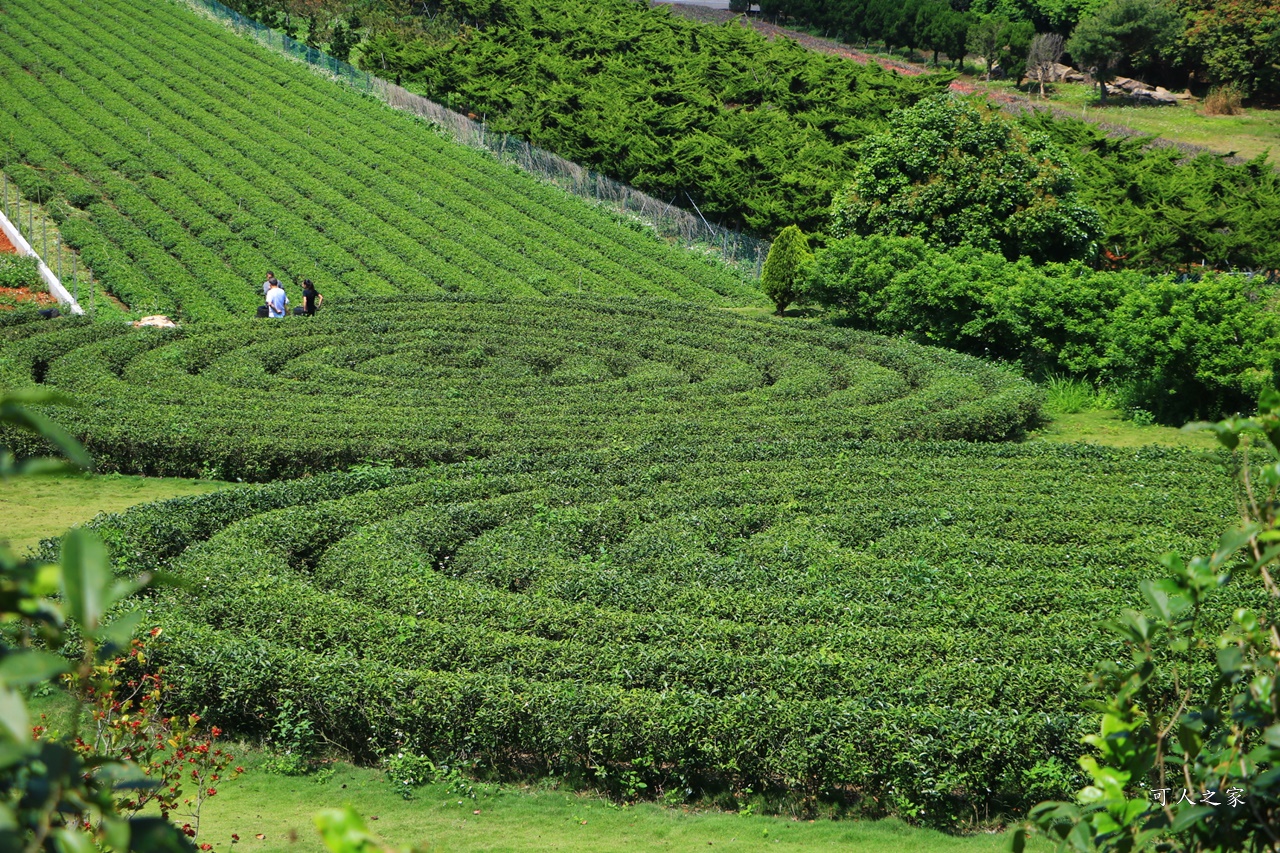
75, 281
58, 251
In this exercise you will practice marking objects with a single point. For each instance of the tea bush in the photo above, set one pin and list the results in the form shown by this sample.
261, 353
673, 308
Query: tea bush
897, 628
412, 380
200, 161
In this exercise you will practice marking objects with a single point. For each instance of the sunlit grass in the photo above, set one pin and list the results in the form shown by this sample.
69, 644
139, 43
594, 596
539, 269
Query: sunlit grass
34, 508
1247, 135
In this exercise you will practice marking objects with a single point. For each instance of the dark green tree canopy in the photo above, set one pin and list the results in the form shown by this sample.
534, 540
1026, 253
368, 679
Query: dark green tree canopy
956, 173
1132, 32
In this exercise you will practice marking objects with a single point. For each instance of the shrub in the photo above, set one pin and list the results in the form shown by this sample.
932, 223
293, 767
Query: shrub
1185, 347
20, 272
786, 267
1223, 101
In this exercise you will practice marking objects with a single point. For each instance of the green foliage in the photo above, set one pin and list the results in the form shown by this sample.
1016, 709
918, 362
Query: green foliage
293, 741
955, 173
999, 40
1236, 41
805, 617
18, 271
786, 267
413, 380
1068, 396
756, 132
1162, 211
1186, 752
1185, 347
1124, 32
194, 183
53, 796
1200, 348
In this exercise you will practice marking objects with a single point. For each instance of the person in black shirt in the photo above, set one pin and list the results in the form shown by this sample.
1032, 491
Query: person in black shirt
311, 298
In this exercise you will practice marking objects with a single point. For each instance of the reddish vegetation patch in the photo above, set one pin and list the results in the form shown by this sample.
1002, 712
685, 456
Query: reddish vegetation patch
6, 245
9, 295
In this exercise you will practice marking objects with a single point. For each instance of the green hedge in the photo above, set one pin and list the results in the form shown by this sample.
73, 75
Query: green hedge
409, 381
897, 628
1181, 347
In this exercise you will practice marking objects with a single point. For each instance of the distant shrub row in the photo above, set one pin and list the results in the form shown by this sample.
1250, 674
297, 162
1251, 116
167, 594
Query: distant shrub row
1181, 347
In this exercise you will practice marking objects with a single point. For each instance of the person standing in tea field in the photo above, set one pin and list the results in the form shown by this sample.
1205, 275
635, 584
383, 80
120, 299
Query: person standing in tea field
276, 300
266, 285
311, 298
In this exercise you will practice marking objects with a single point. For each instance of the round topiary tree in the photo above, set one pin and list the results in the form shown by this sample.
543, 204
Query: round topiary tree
956, 173
785, 267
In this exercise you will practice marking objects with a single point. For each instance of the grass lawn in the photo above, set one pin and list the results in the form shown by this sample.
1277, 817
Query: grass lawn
525, 819
34, 508
1246, 135
1109, 428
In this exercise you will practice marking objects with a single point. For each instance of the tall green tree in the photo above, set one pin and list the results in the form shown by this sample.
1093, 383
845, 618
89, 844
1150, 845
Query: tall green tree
958, 173
985, 39
1123, 31
941, 29
1236, 42
784, 269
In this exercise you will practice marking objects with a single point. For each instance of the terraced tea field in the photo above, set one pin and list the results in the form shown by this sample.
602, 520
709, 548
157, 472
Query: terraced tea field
907, 627
198, 161
410, 380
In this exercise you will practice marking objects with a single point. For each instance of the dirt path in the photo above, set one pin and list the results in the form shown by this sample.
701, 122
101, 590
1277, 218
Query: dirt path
7, 247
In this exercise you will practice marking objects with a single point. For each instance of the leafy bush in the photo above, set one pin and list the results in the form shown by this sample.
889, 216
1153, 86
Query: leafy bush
1185, 347
957, 174
786, 267
19, 271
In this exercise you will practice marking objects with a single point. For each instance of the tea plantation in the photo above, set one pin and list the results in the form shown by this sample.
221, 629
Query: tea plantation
410, 380
903, 628
524, 494
185, 162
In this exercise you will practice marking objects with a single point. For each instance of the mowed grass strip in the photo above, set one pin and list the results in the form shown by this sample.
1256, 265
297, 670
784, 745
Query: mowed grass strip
36, 508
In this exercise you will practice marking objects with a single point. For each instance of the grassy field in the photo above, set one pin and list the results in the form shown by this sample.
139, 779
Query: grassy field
37, 507
1110, 428
1247, 135
524, 819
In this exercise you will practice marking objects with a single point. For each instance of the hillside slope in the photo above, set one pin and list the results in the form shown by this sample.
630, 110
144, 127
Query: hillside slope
200, 161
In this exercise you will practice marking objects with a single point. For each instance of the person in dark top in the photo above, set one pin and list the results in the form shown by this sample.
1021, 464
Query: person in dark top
311, 298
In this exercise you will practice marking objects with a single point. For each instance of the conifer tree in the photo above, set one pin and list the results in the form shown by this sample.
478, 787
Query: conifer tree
785, 267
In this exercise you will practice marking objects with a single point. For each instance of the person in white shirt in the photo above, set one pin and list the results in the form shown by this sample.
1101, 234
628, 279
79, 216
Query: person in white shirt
276, 300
